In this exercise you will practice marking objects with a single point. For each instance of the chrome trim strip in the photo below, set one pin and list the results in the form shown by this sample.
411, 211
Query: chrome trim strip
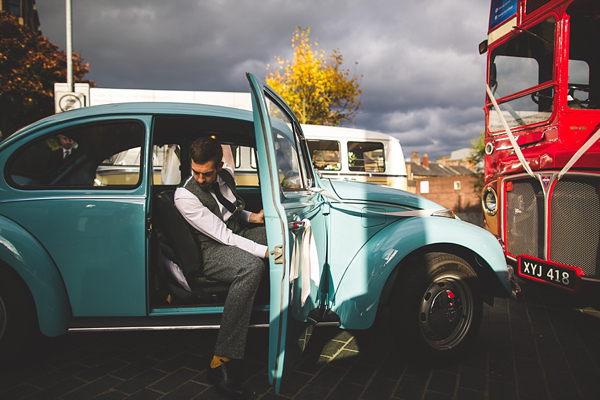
328, 173
138, 199
298, 204
154, 328
590, 279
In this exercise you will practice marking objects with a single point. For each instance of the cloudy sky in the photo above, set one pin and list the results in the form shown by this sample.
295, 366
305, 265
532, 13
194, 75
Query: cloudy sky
423, 79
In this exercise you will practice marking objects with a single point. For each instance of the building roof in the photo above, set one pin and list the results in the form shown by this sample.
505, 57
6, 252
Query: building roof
461, 154
436, 169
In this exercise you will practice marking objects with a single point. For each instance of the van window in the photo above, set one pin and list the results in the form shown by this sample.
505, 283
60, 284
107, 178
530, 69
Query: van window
246, 172
124, 166
325, 154
366, 156
166, 164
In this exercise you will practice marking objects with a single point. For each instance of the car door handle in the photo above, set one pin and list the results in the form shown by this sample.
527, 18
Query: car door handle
296, 225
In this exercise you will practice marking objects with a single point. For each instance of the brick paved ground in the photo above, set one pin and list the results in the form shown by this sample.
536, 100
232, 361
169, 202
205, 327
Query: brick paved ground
545, 347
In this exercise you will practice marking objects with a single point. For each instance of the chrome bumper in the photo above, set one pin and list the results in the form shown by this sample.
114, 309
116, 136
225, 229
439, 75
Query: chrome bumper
514, 286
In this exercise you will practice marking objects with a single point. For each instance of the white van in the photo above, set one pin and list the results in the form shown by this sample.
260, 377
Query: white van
356, 154
340, 153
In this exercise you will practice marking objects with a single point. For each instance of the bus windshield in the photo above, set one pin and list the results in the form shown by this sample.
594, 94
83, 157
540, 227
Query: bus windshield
521, 76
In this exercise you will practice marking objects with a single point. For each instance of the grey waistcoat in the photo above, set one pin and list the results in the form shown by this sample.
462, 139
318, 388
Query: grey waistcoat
206, 198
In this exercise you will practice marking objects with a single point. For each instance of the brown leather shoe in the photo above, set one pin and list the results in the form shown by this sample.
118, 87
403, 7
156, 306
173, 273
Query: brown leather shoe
225, 382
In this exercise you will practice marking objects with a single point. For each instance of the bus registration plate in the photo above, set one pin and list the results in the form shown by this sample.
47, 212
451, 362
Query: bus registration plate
564, 276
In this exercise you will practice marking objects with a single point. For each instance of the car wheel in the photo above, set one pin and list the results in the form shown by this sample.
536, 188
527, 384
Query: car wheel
15, 315
436, 308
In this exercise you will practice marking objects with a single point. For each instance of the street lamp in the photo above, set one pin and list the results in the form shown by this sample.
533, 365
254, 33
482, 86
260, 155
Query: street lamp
69, 46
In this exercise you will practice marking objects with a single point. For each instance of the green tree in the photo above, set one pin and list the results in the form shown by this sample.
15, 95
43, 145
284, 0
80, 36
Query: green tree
477, 158
29, 66
315, 86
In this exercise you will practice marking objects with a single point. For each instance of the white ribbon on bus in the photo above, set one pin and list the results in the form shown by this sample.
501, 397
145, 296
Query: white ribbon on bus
510, 135
589, 142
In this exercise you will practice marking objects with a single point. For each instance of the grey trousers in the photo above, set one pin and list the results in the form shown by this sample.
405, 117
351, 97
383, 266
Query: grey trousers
244, 271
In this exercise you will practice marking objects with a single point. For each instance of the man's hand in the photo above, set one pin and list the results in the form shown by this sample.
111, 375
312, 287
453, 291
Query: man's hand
257, 218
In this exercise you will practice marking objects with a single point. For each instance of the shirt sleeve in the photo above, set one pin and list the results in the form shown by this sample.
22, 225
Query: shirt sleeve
201, 218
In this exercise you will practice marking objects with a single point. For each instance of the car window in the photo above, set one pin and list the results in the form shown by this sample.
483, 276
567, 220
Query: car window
291, 163
288, 164
79, 157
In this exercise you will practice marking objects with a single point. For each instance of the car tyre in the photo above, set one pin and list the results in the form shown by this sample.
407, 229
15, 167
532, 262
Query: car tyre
436, 308
16, 312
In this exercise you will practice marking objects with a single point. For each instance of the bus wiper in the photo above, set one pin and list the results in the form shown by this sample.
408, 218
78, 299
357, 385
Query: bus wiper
532, 34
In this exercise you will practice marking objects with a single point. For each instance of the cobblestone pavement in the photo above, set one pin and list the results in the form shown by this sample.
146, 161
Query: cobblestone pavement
545, 347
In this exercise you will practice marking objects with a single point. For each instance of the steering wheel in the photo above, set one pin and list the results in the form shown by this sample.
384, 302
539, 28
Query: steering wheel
536, 96
579, 87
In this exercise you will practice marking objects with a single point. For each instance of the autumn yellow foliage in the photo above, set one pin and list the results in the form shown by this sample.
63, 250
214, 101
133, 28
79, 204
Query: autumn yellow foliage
315, 86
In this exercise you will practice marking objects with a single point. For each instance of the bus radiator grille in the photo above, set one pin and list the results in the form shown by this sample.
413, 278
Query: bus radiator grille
575, 223
525, 218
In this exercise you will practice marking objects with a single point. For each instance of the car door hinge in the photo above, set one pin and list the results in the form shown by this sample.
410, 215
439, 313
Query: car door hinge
148, 226
277, 253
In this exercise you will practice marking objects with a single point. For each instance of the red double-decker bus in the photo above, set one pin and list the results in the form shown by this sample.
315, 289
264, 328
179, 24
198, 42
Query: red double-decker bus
542, 150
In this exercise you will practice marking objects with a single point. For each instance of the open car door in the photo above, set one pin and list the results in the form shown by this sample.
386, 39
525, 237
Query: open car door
295, 220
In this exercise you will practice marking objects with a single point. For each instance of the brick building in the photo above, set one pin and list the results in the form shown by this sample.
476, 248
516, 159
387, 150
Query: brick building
449, 183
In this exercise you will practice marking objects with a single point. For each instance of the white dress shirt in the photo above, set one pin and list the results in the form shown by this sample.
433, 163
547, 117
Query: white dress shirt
201, 218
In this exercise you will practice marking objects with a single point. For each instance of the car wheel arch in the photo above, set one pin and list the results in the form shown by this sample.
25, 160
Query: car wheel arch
488, 282
25, 257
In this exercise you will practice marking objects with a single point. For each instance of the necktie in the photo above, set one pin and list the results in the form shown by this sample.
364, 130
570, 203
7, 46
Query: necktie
226, 203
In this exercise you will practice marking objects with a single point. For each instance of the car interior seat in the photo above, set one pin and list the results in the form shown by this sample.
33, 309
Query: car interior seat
177, 244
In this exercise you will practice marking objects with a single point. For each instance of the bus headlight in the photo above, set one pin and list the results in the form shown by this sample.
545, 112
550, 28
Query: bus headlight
490, 201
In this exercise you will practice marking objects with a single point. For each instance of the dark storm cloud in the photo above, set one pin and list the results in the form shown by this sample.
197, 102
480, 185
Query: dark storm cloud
421, 75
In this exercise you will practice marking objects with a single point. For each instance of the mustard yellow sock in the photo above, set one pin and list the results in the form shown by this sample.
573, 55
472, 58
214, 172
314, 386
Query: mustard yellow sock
217, 361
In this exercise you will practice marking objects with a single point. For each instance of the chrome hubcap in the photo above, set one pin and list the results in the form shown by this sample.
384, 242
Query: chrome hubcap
446, 313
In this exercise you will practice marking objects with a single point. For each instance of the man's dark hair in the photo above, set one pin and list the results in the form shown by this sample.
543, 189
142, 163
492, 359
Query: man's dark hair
206, 149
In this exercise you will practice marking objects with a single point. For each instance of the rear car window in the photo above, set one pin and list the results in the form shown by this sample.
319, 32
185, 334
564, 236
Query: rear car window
79, 157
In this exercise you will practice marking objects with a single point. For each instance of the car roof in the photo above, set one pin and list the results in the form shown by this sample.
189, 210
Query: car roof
116, 109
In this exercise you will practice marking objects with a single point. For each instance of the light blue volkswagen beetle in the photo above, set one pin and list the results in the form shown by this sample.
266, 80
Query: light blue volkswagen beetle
90, 240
